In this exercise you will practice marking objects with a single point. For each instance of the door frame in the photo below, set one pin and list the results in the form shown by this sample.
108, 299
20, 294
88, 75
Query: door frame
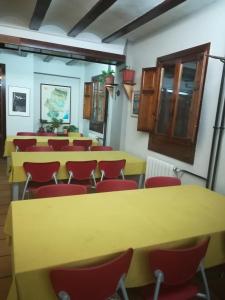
2, 109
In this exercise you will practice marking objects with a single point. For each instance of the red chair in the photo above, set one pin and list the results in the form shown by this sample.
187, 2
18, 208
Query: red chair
39, 173
73, 148
96, 283
46, 134
101, 148
26, 133
23, 144
58, 144
174, 270
111, 185
39, 149
85, 143
160, 181
112, 169
82, 172
56, 190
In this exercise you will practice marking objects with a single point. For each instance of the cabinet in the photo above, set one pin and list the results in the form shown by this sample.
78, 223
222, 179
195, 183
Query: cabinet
148, 99
88, 92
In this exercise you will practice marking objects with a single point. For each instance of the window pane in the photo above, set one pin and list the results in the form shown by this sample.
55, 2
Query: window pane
187, 85
166, 99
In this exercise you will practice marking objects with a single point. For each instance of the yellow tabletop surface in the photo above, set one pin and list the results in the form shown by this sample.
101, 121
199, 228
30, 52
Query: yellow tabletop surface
134, 164
79, 230
41, 141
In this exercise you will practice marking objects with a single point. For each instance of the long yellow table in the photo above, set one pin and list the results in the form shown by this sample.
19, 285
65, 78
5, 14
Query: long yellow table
85, 229
41, 141
134, 165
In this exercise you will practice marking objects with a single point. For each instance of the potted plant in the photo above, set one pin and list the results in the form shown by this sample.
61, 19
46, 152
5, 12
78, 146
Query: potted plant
41, 128
128, 75
107, 77
55, 123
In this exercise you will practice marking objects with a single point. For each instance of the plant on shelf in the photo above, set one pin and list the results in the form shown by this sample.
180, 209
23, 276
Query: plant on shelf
55, 123
128, 75
42, 128
107, 77
70, 128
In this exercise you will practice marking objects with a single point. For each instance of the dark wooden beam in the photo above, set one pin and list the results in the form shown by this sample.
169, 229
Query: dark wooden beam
45, 48
39, 13
100, 7
150, 15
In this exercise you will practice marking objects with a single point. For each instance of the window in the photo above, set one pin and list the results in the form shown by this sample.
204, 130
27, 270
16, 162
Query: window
178, 103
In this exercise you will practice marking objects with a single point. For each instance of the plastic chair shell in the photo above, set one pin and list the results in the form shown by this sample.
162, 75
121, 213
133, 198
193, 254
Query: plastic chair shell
111, 169
161, 181
23, 144
101, 148
58, 144
85, 143
56, 190
39, 149
73, 148
111, 185
96, 283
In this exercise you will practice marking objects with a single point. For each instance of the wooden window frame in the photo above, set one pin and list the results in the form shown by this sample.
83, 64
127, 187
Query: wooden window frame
181, 148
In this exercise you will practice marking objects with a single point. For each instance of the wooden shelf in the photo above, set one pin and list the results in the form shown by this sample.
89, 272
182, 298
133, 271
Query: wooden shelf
129, 89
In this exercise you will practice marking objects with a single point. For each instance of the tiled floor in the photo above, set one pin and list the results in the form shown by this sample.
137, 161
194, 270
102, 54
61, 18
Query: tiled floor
216, 276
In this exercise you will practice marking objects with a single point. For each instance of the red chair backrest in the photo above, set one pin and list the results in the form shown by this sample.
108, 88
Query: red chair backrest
73, 148
26, 133
95, 283
112, 168
160, 181
55, 190
111, 185
58, 144
41, 172
101, 148
178, 265
23, 144
46, 134
39, 149
81, 169
85, 143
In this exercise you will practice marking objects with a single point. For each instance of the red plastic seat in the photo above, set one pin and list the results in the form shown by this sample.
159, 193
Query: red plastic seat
112, 169
82, 172
56, 190
101, 148
174, 270
23, 144
98, 282
73, 148
39, 173
160, 181
26, 133
111, 185
85, 143
58, 144
39, 149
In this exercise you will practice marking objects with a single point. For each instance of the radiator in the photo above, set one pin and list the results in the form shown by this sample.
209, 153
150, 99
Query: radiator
156, 167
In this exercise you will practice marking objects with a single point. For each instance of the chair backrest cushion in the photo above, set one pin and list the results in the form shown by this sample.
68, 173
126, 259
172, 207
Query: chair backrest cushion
56, 190
41, 172
111, 185
178, 265
95, 283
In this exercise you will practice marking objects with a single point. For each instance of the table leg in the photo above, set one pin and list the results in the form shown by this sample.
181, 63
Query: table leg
141, 181
15, 191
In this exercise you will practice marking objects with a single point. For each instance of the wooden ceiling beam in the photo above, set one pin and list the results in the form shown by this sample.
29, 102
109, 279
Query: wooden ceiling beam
39, 13
100, 7
150, 15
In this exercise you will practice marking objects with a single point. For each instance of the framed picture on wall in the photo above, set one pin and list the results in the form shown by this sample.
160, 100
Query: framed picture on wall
55, 102
19, 101
135, 104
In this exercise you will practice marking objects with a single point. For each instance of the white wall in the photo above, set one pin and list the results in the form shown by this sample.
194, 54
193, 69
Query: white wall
19, 73
206, 25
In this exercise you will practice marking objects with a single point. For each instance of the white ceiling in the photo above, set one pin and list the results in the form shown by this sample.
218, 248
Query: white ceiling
62, 15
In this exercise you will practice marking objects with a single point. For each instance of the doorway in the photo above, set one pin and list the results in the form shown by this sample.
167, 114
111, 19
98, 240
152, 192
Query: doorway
2, 109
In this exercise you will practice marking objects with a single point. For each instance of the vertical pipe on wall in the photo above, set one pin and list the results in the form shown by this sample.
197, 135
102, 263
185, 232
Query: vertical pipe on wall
216, 140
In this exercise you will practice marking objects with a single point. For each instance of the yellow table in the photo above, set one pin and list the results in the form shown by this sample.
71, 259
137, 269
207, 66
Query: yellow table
41, 141
134, 165
79, 230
